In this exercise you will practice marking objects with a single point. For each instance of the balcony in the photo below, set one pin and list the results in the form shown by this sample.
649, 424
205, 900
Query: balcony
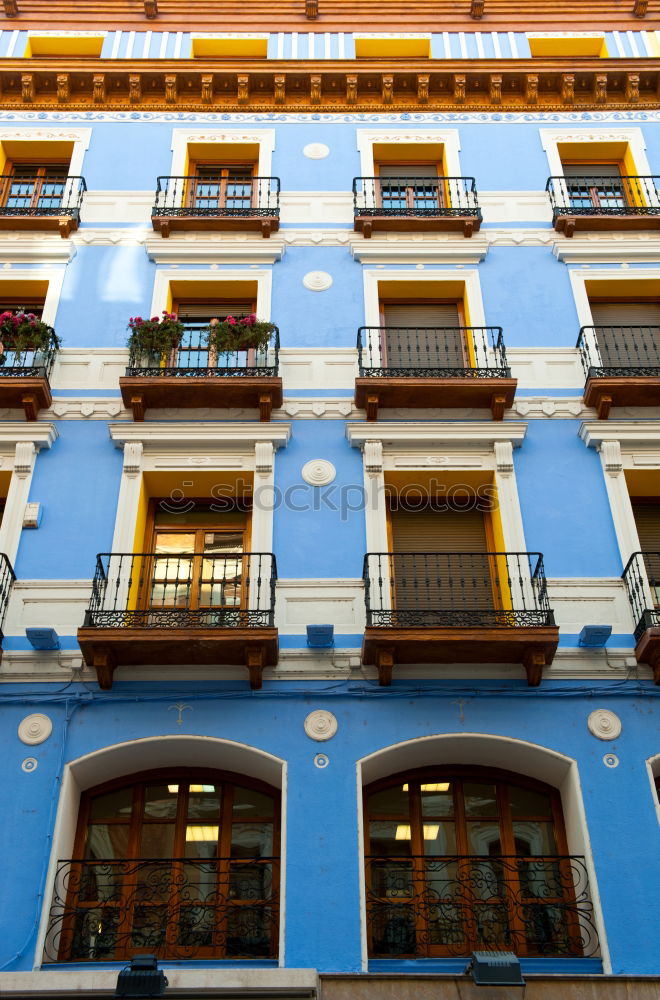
642, 579
622, 366
604, 203
457, 607
420, 367
193, 375
415, 204
24, 375
213, 205
38, 203
7, 578
176, 908
178, 608
422, 907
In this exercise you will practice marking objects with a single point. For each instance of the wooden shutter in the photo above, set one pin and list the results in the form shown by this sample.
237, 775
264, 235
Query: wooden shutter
637, 348
422, 335
426, 579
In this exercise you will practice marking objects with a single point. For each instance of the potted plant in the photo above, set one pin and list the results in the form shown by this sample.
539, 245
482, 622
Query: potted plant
24, 332
154, 339
239, 333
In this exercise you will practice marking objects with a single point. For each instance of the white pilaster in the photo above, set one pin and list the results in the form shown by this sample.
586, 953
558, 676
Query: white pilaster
129, 498
17, 496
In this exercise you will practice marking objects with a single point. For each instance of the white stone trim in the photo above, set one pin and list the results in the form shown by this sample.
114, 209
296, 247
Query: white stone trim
608, 248
435, 248
465, 439
81, 137
53, 275
164, 277
47, 980
615, 275
35, 248
200, 248
653, 770
338, 602
516, 755
448, 137
182, 137
634, 136
373, 277
19, 444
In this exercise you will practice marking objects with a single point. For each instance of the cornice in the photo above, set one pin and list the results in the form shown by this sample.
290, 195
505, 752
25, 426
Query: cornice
419, 435
35, 248
431, 248
628, 432
608, 248
40, 433
221, 248
196, 435
330, 85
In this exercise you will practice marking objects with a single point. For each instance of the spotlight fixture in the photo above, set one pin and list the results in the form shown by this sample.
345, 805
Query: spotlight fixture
494, 968
142, 978
43, 638
594, 636
320, 636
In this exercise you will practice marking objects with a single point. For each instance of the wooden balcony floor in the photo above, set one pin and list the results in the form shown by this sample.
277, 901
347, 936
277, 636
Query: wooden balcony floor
144, 392
495, 394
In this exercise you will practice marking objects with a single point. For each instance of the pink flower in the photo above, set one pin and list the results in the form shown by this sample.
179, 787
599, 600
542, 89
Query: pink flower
231, 321
250, 320
154, 319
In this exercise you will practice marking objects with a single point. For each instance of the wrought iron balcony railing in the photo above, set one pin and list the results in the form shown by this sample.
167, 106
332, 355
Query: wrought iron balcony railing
194, 359
417, 197
459, 589
210, 197
534, 906
177, 908
642, 579
28, 363
7, 578
613, 351
150, 590
594, 195
432, 352
24, 196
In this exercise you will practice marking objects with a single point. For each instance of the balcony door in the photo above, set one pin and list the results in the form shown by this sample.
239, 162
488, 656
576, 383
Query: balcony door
34, 189
196, 316
441, 566
646, 511
423, 335
181, 863
595, 186
462, 859
410, 188
217, 189
627, 333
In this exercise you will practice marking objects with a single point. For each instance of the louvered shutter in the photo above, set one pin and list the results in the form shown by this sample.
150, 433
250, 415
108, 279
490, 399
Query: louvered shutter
647, 519
440, 560
637, 348
423, 336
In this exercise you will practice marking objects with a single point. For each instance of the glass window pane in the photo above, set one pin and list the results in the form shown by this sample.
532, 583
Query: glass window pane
160, 801
107, 841
249, 803
389, 838
437, 798
439, 838
480, 799
157, 840
527, 802
204, 802
252, 840
484, 839
533, 839
392, 801
112, 805
202, 840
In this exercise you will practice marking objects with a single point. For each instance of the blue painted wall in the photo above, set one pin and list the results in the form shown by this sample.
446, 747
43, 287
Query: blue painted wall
565, 509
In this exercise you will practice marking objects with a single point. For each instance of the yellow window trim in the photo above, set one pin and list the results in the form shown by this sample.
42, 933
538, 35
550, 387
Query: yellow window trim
226, 47
64, 45
571, 45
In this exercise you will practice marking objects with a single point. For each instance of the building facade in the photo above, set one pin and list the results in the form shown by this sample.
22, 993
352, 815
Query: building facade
330, 482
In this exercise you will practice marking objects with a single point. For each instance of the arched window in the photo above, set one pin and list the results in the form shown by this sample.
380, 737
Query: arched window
460, 859
183, 864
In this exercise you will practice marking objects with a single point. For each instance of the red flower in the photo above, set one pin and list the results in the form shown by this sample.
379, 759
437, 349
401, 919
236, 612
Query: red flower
231, 321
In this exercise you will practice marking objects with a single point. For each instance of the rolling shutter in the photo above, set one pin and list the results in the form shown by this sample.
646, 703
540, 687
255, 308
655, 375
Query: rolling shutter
423, 336
637, 348
647, 519
440, 560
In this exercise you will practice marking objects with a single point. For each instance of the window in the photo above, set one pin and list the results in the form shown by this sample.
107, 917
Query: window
461, 859
213, 187
423, 335
181, 863
196, 316
646, 511
33, 188
596, 186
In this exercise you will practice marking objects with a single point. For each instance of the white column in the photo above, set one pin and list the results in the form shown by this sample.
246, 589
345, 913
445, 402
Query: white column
620, 505
129, 498
520, 582
17, 495
262, 521
376, 525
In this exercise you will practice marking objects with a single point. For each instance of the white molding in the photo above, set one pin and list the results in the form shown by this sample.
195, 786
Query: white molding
81, 137
470, 277
420, 248
19, 444
198, 436
263, 278
221, 248
469, 435
634, 136
608, 248
615, 275
34, 248
263, 137
546, 368
448, 137
46, 980
549, 408
628, 432
53, 275
41, 434
338, 602
579, 601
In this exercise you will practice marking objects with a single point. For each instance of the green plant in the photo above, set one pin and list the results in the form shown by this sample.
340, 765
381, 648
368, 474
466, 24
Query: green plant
239, 333
22, 332
154, 338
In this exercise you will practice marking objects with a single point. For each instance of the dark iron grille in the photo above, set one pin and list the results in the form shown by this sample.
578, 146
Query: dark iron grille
7, 578
217, 198
594, 194
421, 197
460, 589
613, 351
534, 906
29, 364
177, 908
183, 590
430, 352
23, 195
193, 359
642, 579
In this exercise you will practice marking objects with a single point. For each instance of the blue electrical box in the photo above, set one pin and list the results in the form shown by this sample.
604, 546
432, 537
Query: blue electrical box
43, 638
320, 636
594, 636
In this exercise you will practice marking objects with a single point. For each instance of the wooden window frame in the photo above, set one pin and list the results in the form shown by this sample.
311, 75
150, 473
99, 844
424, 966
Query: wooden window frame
457, 775
181, 775
40, 178
442, 199
224, 169
593, 191
212, 356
